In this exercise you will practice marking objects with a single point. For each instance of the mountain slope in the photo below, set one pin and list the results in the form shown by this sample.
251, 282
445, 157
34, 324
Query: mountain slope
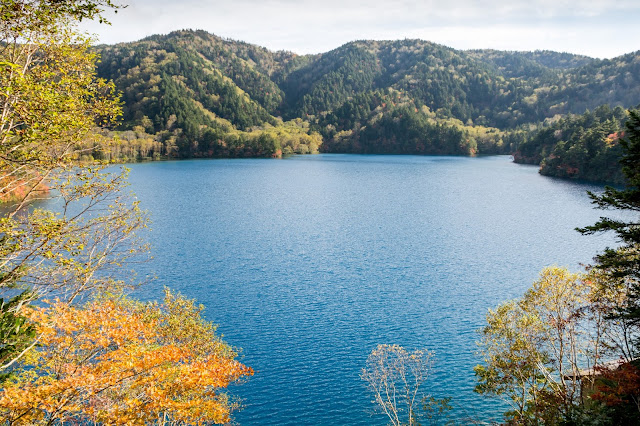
197, 88
584, 146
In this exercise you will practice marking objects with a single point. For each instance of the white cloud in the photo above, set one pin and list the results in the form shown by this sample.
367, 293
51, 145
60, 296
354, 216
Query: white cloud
595, 27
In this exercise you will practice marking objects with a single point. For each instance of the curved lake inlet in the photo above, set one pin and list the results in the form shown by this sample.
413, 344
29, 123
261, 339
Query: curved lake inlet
308, 263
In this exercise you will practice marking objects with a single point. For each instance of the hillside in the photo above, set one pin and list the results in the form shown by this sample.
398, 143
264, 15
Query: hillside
581, 146
541, 63
202, 95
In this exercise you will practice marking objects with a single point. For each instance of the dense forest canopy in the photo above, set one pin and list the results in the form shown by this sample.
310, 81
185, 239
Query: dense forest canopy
75, 348
194, 94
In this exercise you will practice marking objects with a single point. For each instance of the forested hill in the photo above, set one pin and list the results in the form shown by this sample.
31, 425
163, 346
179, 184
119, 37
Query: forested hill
529, 64
193, 94
200, 94
584, 146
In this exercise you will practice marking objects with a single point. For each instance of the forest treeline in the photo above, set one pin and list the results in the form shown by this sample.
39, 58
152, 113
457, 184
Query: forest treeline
76, 348
194, 94
582, 146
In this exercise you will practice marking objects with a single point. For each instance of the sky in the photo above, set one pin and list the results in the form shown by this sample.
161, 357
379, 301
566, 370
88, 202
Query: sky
596, 28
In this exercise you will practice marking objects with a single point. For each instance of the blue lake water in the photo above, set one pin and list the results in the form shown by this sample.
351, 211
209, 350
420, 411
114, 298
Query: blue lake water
308, 263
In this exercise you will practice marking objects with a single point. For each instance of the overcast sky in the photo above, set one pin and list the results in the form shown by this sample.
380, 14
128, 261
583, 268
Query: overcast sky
598, 28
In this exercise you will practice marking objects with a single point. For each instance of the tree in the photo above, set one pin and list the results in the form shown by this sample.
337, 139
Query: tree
66, 229
395, 377
16, 334
535, 348
510, 358
50, 99
436, 411
541, 351
623, 262
620, 388
116, 361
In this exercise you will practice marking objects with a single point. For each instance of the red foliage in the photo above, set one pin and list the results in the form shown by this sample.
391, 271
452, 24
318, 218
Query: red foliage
619, 386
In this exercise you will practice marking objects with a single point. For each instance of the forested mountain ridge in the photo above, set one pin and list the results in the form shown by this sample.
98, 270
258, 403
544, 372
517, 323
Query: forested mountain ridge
529, 64
584, 146
200, 95
404, 96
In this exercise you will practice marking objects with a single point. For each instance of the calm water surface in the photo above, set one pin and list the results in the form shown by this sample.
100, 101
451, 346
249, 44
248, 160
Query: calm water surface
308, 263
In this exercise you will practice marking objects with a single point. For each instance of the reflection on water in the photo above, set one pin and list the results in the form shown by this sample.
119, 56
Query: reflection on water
308, 263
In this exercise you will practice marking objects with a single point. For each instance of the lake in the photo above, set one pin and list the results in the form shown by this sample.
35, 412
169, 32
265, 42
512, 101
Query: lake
309, 262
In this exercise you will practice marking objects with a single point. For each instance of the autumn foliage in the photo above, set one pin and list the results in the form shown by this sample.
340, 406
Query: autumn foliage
119, 362
619, 388
111, 361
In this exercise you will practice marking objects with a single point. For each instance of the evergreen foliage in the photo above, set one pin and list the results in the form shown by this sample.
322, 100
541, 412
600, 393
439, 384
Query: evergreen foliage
623, 262
16, 333
579, 146
195, 94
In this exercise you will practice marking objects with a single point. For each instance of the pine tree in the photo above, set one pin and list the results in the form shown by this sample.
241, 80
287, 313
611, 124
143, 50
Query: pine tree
623, 262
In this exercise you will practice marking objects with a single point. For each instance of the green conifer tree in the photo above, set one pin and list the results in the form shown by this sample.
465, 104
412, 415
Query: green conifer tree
623, 262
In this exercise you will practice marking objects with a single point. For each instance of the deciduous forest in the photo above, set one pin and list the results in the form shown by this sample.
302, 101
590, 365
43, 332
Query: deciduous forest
77, 348
194, 94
